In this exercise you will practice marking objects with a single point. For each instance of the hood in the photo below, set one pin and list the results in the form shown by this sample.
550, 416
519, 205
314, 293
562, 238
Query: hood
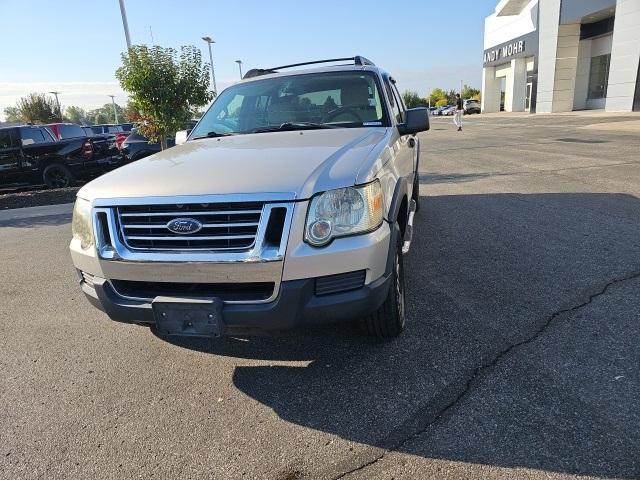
298, 163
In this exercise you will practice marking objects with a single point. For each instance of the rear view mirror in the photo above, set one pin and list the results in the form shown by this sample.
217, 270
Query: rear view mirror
417, 120
181, 136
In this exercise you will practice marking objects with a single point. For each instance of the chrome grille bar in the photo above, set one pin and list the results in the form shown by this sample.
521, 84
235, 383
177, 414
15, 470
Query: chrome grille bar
204, 225
190, 238
190, 213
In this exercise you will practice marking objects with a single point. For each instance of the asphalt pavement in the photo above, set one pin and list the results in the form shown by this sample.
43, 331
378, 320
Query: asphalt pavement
520, 358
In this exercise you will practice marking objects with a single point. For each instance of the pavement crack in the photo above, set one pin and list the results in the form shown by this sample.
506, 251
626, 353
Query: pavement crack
425, 417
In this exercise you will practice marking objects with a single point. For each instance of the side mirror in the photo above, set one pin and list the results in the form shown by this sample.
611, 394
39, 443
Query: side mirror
181, 136
417, 120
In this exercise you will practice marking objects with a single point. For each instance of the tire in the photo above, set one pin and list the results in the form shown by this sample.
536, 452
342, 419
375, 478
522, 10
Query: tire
57, 175
415, 194
388, 321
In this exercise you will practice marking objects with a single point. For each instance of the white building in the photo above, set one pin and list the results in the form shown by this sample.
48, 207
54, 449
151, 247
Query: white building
561, 55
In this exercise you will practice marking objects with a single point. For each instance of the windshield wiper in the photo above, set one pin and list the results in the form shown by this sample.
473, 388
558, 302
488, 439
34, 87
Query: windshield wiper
288, 126
212, 134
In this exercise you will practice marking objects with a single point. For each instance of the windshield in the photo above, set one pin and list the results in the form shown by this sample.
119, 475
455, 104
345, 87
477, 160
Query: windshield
317, 100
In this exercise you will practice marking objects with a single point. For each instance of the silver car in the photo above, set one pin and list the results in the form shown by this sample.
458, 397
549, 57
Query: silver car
290, 203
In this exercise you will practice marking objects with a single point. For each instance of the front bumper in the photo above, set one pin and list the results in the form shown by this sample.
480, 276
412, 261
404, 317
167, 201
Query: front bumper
297, 305
286, 265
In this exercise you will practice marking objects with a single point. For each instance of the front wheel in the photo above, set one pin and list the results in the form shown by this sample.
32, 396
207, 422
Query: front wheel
388, 321
415, 195
57, 175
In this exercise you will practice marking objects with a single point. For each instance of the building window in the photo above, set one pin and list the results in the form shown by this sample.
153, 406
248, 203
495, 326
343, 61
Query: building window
599, 77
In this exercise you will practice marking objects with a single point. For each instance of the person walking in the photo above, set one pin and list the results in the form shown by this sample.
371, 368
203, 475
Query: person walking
457, 117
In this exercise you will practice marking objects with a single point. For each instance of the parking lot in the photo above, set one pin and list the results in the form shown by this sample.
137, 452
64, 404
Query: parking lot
520, 358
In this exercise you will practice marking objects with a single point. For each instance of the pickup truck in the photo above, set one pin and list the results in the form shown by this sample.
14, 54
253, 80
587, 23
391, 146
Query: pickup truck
117, 130
31, 154
291, 203
104, 145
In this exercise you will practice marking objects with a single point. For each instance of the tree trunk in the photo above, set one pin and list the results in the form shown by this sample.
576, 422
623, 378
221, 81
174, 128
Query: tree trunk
163, 142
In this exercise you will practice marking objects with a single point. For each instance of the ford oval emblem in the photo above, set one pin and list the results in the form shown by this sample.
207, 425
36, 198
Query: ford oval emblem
184, 226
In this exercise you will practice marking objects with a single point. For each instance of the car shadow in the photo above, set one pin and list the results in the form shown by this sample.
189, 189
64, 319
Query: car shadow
485, 272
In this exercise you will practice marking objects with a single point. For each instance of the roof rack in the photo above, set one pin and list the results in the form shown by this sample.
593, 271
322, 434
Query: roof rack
357, 60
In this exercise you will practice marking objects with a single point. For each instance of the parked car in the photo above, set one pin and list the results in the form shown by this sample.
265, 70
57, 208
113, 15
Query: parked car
137, 146
88, 131
31, 154
105, 145
114, 129
448, 110
439, 110
291, 203
127, 127
63, 131
471, 106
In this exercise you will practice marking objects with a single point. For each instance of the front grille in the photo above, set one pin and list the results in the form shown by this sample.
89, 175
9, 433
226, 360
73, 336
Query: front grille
225, 226
228, 292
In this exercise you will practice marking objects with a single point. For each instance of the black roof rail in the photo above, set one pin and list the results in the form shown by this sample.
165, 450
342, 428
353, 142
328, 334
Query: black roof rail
357, 60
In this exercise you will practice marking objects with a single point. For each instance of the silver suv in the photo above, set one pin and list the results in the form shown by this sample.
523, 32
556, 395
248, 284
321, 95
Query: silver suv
290, 203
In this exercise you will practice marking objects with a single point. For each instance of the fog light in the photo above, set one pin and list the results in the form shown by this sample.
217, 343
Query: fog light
320, 231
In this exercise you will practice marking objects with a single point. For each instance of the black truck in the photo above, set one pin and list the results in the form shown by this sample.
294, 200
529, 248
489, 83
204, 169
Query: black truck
30, 154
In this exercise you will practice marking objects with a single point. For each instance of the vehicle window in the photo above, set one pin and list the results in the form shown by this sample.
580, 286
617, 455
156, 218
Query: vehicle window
70, 131
97, 130
5, 139
30, 136
399, 101
395, 107
114, 129
49, 135
341, 99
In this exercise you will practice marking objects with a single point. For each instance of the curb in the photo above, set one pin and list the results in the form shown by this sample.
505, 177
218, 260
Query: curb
32, 212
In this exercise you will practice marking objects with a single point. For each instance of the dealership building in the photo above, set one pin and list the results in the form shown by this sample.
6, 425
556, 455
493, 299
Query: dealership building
561, 55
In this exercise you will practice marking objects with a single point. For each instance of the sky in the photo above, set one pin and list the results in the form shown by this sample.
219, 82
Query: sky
74, 46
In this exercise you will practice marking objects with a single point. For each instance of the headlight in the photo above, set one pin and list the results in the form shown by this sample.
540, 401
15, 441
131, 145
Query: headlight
343, 212
82, 225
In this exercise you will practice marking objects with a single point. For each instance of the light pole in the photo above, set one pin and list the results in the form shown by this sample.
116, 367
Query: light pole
209, 41
239, 62
115, 112
58, 104
125, 24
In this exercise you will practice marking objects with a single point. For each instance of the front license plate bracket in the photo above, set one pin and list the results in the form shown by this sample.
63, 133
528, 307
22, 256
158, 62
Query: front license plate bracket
188, 316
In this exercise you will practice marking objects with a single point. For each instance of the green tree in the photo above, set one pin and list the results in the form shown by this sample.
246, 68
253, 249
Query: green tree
76, 114
104, 114
470, 92
436, 95
442, 102
38, 108
413, 100
12, 115
130, 113
166, 87
451, 97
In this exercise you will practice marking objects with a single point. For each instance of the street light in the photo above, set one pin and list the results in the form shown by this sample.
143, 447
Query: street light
125, 24
115, 112
209, 41
239, 62
57, 103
